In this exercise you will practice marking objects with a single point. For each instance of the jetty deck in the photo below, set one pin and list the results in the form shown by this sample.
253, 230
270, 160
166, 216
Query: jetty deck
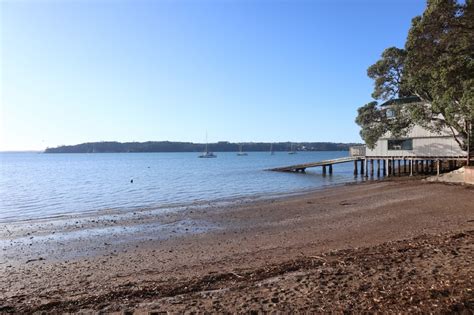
389, 165
323, 164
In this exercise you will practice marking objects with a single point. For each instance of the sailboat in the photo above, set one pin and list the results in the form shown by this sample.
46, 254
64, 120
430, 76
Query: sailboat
271, 149
207, 154
241, 153
292, 151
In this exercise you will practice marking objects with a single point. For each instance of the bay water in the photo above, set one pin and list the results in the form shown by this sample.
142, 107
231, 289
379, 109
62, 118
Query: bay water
39, 186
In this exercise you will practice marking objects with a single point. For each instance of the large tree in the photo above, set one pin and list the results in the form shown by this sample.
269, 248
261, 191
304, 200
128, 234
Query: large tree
437, 65
387, 74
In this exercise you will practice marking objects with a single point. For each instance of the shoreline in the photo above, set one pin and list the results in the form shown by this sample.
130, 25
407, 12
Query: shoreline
176, 207
134, 224
9, 229
239, 237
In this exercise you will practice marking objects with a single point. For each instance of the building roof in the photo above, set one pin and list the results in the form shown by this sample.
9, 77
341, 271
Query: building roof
401, 101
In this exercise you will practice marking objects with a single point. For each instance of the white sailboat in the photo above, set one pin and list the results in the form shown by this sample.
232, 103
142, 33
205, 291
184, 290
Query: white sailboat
292, 151
241, 153
271, 149
207, 154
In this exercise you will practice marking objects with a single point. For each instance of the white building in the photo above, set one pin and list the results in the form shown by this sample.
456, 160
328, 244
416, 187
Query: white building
418, 143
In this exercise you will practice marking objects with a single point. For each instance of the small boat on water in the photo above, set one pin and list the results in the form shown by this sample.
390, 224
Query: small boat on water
292, 151
207, 154
271, 149
241, 153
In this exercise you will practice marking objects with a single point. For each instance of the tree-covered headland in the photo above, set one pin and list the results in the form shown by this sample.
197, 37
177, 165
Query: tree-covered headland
168, 146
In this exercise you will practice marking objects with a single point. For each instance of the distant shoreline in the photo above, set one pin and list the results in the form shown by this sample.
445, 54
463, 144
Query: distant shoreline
22, 151
214, 151
221, 146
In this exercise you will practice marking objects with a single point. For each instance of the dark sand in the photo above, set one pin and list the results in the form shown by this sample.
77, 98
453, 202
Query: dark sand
379, 246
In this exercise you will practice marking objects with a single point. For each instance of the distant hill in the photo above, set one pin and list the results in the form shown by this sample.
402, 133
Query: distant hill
167, 146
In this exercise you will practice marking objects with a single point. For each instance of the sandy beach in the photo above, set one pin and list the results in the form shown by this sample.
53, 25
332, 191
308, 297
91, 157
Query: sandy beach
403, 245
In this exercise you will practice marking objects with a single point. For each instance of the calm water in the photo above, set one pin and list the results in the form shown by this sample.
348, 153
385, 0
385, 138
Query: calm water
34, 185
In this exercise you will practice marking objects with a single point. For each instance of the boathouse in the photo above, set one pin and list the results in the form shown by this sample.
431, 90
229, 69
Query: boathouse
419, 142
421, 150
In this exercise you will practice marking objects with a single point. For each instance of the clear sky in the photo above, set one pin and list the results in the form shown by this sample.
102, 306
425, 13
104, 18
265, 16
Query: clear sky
261, 70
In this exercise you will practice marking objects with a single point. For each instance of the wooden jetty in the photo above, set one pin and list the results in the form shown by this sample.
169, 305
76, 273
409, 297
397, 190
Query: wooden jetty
326, 163
386, 165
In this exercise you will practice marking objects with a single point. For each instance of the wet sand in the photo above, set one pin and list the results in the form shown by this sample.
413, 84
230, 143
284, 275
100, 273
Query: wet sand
389, 246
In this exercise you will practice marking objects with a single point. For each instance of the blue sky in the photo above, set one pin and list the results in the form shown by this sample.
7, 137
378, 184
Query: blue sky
79, 71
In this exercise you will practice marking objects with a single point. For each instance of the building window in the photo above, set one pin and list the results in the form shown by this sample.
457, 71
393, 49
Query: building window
405, 144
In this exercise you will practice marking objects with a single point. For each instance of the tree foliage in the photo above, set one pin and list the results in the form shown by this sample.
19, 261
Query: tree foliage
372, 120
440, 66
437, 65
376, 123
388, 74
